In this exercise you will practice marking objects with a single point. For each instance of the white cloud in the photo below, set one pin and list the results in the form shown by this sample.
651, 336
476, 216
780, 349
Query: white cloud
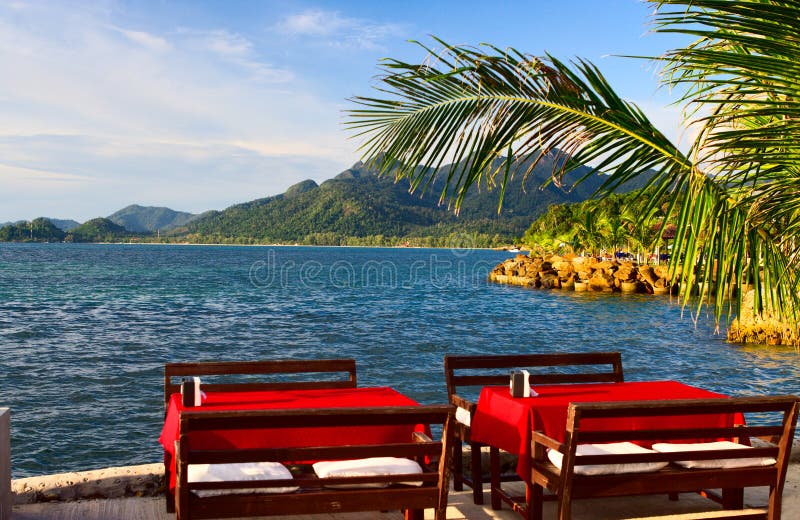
152, 42
338, 30
26, 176
98, 114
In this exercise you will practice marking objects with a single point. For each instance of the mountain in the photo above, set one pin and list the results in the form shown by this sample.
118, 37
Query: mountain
64, 224
144, 219
99, 230
358, 203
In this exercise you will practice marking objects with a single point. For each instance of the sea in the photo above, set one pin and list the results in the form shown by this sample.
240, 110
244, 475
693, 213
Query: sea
85, 330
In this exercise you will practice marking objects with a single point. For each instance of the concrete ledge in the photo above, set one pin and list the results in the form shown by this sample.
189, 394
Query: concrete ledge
5, 464
147, 480
126, 481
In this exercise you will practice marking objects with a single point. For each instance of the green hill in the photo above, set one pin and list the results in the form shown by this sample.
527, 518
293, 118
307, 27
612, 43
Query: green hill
358, 207
144, 219
98, 230
38, 230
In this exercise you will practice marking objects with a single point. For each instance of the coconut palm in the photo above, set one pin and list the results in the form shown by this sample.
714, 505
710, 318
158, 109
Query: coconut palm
735, 191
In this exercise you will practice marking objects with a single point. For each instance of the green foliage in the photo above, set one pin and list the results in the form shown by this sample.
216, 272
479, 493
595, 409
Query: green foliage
612, 223
38, 230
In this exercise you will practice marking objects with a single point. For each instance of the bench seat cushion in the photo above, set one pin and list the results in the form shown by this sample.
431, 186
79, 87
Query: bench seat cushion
239, 471
744, 462
463, 416
374, 466
615, 448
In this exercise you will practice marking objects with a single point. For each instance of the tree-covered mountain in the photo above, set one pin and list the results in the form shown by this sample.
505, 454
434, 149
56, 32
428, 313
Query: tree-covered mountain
62, 224
143, 219
37, 230
358, 204
98, 230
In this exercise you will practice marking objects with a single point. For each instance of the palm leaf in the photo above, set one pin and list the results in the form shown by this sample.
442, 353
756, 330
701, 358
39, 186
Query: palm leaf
469, 106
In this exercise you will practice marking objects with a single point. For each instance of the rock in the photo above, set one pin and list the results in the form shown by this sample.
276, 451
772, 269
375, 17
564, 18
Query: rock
550, 281
601, 281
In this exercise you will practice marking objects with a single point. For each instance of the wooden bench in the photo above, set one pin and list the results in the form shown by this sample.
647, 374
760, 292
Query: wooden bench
567, 484
314, 494
478, 371
300, 374
327, 373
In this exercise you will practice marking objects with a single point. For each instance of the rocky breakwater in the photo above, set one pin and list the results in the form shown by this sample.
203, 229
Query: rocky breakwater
580, 273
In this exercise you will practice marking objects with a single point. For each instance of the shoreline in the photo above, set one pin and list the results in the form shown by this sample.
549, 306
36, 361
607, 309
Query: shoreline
262, 245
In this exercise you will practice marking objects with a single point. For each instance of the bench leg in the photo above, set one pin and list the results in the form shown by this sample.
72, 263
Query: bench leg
733, 498
413, 514
494, 470
477, 473
458, 466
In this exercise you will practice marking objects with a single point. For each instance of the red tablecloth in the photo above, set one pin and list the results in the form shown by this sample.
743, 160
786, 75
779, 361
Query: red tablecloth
286, 437
504, 422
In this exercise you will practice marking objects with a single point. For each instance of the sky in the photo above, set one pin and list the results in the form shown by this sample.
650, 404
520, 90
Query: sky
200, 105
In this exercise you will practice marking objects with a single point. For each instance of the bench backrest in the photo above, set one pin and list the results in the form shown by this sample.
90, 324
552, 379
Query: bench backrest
306, 374
593, 367
435, 479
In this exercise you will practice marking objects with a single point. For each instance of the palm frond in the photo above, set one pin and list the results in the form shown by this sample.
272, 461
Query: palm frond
490, 111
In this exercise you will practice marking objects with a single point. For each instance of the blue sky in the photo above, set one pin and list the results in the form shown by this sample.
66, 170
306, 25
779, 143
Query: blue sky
200, 105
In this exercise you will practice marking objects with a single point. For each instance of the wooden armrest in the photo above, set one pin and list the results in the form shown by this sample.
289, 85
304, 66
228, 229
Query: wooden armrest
420, 437
548, 442
460, 402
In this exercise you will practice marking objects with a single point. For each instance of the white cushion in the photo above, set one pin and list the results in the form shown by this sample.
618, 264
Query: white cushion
615, 448
463, 416
367, 468
240, 471
714, 463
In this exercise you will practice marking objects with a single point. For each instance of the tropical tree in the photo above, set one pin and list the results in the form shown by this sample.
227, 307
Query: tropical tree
590, 231
735, 191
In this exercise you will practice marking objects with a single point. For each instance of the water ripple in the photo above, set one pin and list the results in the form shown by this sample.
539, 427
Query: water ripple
85, 331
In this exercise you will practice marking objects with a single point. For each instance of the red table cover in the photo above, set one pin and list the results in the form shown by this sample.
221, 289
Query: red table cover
285, 437
504, 422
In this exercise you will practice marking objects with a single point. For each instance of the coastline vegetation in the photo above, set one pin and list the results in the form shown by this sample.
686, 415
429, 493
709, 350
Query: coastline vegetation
604, 227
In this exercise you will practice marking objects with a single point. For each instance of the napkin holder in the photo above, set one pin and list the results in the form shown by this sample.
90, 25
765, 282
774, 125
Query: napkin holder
520, 383
190, 391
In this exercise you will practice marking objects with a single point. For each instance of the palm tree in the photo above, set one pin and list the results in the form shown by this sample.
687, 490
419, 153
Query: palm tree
735, 191
590, 231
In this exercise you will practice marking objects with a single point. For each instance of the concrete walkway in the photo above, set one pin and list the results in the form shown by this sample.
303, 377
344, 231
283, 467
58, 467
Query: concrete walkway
460, 507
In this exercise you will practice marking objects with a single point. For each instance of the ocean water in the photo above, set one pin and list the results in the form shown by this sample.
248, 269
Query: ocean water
86, 329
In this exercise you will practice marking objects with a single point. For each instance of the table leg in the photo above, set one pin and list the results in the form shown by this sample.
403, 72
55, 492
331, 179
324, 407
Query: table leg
494, 470
476, 467
458, 466
168, 496
534, 495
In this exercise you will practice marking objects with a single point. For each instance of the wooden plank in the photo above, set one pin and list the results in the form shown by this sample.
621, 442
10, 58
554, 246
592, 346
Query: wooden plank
341, 371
